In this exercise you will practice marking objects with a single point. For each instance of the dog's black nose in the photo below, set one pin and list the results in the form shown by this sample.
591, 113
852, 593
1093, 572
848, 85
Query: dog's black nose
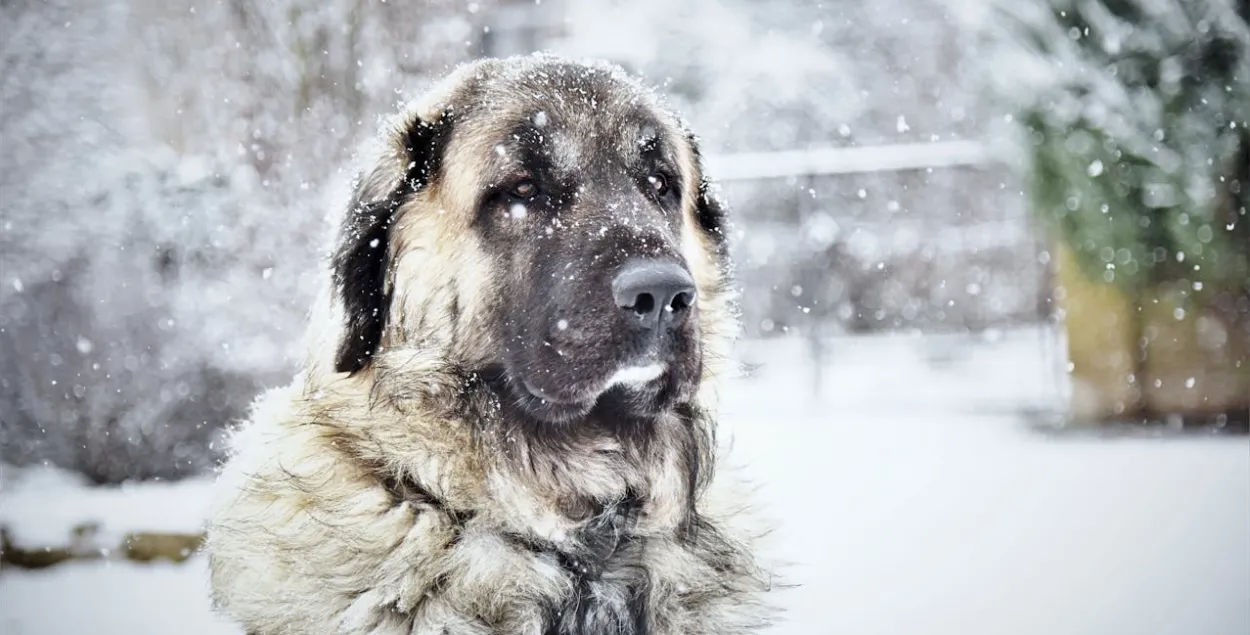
655, 291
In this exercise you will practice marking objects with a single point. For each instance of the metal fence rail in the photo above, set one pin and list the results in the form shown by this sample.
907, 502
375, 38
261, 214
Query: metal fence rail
851, 160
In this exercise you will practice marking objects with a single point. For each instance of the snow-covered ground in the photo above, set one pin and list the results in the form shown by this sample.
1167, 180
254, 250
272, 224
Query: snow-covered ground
40, 507
911, 497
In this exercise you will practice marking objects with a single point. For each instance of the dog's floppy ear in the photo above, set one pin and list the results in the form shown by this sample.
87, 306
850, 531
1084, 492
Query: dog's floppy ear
409, 162
709, 211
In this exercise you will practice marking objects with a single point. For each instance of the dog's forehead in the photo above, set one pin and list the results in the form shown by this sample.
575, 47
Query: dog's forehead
575, 115
572, 139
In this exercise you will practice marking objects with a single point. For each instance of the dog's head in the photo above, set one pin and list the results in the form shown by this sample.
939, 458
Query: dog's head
547, 224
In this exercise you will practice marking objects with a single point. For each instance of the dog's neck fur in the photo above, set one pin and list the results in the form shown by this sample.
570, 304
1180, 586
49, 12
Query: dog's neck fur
555, 480
587, 497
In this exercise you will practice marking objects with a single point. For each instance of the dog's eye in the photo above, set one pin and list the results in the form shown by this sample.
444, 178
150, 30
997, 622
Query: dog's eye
524, 189
658, 183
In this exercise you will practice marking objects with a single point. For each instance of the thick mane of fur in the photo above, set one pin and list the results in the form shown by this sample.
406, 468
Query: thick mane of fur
389, 490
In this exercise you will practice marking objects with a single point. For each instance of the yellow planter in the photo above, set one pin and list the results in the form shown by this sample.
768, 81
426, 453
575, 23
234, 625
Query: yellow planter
1194, 364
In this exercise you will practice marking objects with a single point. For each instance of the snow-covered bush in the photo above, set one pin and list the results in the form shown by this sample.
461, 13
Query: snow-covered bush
166, 174
1136, 125
165, 307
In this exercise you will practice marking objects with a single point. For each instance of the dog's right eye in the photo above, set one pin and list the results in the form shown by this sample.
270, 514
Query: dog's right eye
524, 189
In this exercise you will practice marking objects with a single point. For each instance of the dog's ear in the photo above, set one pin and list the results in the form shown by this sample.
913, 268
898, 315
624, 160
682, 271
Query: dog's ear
709, 211
410, 161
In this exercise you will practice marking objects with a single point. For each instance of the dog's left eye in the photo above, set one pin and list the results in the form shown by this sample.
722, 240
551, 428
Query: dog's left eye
658, 183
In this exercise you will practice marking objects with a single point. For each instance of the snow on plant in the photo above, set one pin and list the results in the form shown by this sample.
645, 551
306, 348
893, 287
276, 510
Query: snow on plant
1136, 122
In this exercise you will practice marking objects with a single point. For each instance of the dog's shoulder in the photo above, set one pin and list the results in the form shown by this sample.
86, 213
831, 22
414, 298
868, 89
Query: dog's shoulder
304, 536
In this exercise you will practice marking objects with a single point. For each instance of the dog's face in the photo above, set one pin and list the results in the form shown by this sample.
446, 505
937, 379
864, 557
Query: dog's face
545, 223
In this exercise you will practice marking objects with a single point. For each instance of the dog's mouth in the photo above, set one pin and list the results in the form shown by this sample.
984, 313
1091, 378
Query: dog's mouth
579, 400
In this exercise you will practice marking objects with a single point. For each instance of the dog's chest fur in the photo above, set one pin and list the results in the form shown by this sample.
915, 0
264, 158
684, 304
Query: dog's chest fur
599, 578
599, 554
610, 581
398, 522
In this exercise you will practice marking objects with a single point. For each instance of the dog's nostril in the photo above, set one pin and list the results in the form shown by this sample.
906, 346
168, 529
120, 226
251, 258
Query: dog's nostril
681, 302
644, 304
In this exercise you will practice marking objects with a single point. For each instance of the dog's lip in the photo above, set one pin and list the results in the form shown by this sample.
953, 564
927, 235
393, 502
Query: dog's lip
630, 375
544, 405
546, 396
538, 403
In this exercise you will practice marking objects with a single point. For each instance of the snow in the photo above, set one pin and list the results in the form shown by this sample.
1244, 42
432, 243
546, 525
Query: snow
910, 523
110, 599
42, 506
913, 499
910, 497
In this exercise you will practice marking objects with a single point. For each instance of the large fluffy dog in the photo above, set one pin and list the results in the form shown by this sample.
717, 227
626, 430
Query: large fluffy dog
505, 423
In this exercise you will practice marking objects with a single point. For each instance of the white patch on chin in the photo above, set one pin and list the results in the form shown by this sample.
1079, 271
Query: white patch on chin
635, 375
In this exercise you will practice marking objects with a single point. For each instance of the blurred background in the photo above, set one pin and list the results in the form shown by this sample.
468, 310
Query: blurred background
995, 260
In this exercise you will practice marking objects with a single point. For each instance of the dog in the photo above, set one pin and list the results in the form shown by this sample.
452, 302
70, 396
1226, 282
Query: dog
505, 423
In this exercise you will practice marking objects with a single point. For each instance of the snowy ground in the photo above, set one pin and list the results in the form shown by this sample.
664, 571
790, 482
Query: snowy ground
41, 506
911, 497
